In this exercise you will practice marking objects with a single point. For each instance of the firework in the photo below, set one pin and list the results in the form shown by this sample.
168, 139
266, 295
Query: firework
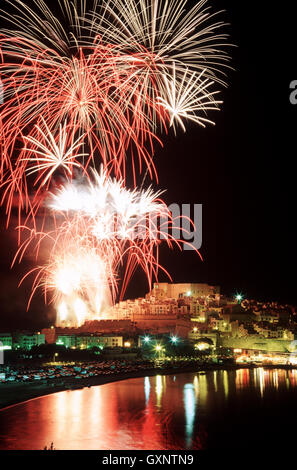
114, 75
100, 228
53, 156
159, 34
39, 24
185, 99
91, 87
46, 90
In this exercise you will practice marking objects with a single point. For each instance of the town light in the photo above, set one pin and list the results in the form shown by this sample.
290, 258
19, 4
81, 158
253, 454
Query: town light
146, 339
189, 293
174, 339
202, 346
55, 356
159, 349
239, 298
195, 329
127, 344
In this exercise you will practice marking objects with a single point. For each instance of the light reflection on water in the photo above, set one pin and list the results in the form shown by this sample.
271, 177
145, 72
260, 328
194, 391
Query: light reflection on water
186, 411
190, 410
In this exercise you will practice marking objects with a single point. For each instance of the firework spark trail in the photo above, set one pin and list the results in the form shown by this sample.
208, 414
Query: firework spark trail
162, 33
101, 227
88, 93
116, 74
183, 102
95, 88
53, 155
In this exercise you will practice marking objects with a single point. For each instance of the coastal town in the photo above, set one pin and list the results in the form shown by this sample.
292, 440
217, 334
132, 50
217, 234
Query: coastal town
174, 326
176, 330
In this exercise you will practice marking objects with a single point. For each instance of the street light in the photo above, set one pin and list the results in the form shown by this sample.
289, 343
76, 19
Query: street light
146, 339
239, 298
174, 339
159, 349
55, 355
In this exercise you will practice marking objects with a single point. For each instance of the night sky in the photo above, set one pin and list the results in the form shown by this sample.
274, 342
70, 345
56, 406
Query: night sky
242, 171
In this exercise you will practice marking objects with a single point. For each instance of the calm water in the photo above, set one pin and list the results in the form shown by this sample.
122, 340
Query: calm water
233, 409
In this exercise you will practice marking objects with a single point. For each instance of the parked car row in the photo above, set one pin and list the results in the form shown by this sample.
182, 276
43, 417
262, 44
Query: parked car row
88, 369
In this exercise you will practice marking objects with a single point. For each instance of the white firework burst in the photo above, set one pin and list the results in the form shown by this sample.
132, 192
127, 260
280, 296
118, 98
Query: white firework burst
188, 99
48, 158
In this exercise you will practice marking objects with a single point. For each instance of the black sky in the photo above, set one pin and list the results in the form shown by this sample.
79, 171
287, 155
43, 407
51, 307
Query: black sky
242, 170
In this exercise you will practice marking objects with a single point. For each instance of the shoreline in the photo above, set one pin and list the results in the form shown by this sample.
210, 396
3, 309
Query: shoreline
22, 392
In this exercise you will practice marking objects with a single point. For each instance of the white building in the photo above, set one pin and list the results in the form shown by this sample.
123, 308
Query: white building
90, 341
66, 340
176, 291
6, 340
27, 341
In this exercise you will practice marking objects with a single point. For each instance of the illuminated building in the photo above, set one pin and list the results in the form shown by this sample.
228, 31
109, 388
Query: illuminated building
176, 291
27, 341
198, 335
219, 324
197, 310
269, 317
88, 328
91, 341
66, 340
238, 330
256, 343
50, 335
6, 340
274, 332
159, 312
